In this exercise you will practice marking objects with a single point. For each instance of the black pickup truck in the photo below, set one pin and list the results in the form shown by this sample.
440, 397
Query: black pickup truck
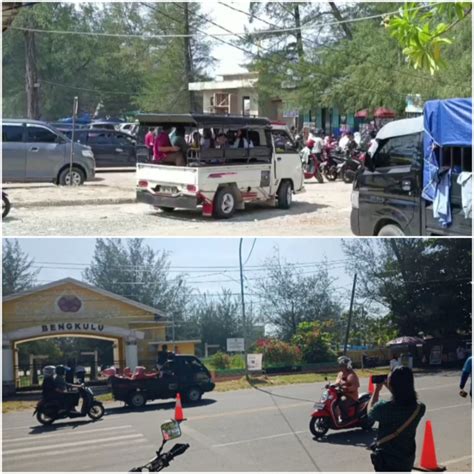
183, 374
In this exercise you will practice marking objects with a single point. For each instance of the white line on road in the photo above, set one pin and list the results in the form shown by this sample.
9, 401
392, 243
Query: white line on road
437, 386
454, 461
66, 445
33, 457
38, 437
449, 406
256, 439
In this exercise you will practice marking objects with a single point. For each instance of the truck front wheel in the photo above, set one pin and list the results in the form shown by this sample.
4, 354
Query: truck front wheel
285, 195
390, 230
224, 203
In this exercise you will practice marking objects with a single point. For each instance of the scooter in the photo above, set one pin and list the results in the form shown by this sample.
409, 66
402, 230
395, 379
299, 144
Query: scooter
354, 162
324, 418
169, 430
313, 168
6, 206
49, 411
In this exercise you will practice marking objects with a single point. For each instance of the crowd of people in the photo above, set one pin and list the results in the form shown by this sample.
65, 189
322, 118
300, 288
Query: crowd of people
165, 147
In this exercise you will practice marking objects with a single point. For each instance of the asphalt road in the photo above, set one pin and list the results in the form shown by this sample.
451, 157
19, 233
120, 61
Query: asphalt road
244, 430
107, 207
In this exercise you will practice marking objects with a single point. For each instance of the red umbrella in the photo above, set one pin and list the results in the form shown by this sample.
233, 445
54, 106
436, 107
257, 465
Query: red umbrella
363, 114
382, 112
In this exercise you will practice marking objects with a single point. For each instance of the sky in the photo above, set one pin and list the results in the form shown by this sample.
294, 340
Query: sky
55, 255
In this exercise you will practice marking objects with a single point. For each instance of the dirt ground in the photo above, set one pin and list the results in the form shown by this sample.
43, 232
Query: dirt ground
107, 207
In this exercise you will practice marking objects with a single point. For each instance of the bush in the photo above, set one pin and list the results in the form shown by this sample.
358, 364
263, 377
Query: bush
278, 353
315, 341
220, 360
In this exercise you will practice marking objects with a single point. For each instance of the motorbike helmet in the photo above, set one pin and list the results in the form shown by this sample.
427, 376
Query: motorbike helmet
60, 370
49, 370
345, 361
310, 143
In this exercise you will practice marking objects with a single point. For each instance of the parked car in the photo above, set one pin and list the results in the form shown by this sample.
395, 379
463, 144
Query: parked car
397, 193
219, 181
111, 148
184, 374
35, 151
129, 127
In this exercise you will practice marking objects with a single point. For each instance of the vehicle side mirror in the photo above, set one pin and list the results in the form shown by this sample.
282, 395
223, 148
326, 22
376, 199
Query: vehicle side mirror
170, 430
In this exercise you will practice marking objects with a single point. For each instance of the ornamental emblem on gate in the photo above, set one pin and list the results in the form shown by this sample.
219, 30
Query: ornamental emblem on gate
69, 304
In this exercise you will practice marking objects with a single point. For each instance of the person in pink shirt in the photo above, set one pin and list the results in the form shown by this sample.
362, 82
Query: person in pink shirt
164, 152
149, 141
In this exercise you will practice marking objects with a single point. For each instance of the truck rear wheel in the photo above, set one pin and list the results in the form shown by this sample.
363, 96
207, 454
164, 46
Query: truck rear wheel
285, 195
224, 203
137, 400
390, 230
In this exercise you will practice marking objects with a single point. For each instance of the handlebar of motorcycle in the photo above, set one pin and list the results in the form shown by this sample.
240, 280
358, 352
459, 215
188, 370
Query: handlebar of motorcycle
176, 450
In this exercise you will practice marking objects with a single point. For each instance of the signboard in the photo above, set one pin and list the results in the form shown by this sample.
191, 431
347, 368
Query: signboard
56, 327
436, 355
290, 113
309, 124
254, 361
235, 344
414, 104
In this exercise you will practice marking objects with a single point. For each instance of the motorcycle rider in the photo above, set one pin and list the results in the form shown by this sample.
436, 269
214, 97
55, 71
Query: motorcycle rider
348, 380
49, 390
68, 399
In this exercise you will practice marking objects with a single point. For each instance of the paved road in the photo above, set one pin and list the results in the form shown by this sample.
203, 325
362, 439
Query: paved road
243, 430
107, 207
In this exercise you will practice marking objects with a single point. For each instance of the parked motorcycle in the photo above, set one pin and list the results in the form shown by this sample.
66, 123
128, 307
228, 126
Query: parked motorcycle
353, 163
332, 163
169, 431
49, 411
324, 417
313, 168
6, 206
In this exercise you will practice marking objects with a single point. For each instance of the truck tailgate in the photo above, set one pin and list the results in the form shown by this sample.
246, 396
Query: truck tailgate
164, 174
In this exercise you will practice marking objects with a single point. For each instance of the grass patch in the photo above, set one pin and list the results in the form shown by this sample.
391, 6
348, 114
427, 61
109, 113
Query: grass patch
275, 380
18, 405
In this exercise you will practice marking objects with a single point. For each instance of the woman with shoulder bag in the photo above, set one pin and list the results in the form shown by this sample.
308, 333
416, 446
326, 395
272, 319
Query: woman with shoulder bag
398, 419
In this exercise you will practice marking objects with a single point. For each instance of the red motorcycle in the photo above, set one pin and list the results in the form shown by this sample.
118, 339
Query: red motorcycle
313, 168
324, 417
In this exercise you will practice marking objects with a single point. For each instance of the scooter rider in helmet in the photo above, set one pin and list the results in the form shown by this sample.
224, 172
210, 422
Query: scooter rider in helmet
70, 399
49, 390
348, 380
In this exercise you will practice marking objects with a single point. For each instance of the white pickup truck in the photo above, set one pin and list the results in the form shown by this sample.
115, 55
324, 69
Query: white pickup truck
220, 180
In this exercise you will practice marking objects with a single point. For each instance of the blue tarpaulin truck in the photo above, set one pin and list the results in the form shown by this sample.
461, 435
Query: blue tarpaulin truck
418, 179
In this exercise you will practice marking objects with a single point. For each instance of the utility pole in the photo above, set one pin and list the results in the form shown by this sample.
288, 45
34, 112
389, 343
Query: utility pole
350, 314
31, 77
75, 107
244, 322
188, 60
299, 37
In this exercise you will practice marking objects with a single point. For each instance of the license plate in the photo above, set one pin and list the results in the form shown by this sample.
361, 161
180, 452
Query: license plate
167, 189
318, 406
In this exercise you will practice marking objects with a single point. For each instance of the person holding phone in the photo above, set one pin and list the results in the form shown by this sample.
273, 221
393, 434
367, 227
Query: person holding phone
398, 419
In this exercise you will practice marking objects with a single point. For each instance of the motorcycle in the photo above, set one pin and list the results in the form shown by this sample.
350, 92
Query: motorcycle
332, 163
6, 206
169, 430
353, 163
311, 165
324, 418
49, 411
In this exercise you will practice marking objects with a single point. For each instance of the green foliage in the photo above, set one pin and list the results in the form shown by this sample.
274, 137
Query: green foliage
289, 298
17, 272
220, 360
422, 33
278, 353
424, 285
315, 340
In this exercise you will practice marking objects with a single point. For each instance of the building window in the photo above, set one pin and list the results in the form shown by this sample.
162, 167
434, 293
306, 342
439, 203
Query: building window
246, 105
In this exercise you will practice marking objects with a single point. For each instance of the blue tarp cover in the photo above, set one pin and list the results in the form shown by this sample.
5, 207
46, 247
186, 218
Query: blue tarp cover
446, 123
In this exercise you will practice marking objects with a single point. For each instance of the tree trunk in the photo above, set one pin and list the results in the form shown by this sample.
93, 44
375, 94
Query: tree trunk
299, 36
188, 60
31, 77
338, 16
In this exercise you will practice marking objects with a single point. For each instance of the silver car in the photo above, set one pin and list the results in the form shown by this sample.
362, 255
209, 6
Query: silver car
35, 151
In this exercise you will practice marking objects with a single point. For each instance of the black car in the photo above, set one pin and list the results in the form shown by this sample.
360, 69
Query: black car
183, 374
111, 148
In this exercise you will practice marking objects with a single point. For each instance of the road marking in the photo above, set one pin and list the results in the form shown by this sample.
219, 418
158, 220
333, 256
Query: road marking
248, 412
34, 456
256, 439
449, 406
454, 461
66, 445
437, 386
68, 433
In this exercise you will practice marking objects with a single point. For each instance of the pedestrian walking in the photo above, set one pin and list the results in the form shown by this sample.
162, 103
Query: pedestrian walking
466, 373
398, 419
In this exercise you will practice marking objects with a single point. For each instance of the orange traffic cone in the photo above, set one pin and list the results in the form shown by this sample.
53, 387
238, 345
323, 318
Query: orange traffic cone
371, 385
178, 411
428, 454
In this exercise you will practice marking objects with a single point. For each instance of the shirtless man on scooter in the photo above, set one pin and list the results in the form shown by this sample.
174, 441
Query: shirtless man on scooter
348, 380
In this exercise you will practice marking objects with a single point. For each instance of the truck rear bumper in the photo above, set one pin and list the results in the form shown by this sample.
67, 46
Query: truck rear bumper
182, 202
